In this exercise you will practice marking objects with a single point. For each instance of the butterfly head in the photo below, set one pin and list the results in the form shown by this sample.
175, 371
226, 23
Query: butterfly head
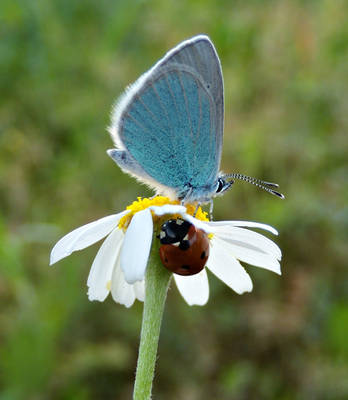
222, 185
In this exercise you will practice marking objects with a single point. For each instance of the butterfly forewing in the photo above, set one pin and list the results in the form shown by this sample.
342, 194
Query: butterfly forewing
170, 122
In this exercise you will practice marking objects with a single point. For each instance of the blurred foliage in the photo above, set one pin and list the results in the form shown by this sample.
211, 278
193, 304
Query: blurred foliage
62, 64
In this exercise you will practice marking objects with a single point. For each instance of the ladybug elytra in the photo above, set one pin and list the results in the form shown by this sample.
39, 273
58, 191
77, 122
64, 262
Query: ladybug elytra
184, 249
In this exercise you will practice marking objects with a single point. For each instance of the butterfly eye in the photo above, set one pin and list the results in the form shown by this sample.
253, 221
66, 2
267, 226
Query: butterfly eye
221, 185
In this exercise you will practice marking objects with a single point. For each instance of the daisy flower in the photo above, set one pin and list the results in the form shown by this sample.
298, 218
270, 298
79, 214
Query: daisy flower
120, 264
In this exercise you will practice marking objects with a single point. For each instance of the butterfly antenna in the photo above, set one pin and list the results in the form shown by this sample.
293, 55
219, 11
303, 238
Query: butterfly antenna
267, 186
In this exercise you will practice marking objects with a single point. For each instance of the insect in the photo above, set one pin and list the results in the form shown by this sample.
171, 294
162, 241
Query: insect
184, 248
168, 126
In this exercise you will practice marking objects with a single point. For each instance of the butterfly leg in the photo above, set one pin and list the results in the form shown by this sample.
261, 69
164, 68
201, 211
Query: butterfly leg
197, 207
211, 209
186, 196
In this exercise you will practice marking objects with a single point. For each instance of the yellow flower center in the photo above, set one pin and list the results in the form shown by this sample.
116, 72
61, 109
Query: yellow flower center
143, 203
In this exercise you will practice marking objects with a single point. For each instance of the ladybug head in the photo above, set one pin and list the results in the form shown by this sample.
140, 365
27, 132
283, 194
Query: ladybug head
174, 231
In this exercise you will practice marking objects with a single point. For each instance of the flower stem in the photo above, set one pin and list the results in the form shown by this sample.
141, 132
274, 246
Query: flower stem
156, 285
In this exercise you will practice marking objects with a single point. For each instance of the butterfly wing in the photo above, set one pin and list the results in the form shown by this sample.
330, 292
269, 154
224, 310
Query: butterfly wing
168, 126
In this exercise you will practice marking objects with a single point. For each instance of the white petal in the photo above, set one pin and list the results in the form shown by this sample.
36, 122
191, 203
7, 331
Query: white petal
198, 223
251, 255
103, 265
136, 246
250, 239
121, 291
194, 288
84, 236
168, 209
246, 224
227, 268
139, 290
111, 246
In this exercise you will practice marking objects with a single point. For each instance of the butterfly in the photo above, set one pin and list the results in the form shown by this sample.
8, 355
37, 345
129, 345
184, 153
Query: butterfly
168, 126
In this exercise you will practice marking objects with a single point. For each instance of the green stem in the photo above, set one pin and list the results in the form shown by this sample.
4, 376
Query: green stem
156, 285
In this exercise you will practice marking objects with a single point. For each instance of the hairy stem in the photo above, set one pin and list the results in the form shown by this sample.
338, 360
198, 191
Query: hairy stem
156, 285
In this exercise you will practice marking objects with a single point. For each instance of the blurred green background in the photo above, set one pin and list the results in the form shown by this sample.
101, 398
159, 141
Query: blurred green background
62, 65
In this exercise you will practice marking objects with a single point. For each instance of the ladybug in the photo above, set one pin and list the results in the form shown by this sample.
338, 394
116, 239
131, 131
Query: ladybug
184, 249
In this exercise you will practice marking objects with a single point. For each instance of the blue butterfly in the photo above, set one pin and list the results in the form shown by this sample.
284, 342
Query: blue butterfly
168, 126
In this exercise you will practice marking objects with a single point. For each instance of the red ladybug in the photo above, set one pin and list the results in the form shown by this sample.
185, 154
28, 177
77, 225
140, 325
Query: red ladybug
184, 248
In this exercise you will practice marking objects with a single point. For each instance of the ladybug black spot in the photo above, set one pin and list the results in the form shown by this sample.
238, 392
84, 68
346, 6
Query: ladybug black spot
166, 260
185, 267
203, 255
